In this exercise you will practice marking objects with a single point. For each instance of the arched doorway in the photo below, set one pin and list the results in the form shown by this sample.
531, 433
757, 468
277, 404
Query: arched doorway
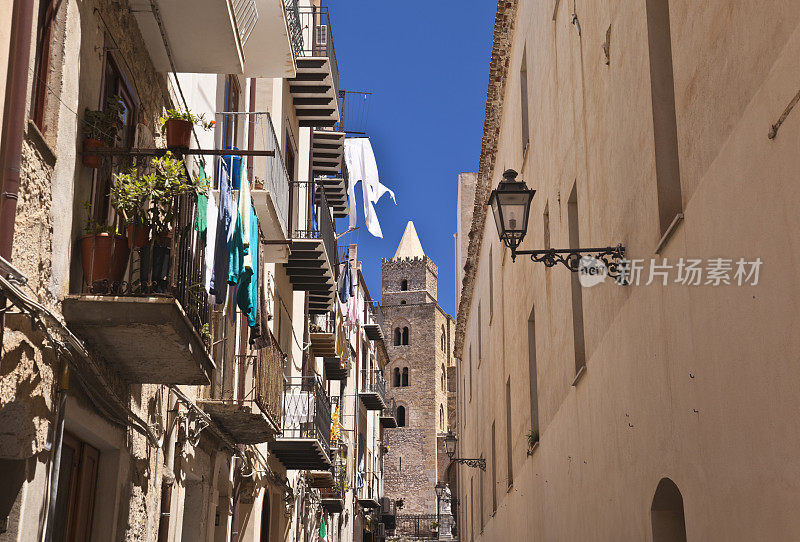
666, 513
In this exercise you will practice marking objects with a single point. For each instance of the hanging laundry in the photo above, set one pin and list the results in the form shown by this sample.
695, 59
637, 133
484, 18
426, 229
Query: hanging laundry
201, 217
211, 237
345, 283
226, 226
245, 209
239, 273
361, 166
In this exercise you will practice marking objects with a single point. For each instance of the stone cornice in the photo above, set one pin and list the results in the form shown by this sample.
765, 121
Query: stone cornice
498, 70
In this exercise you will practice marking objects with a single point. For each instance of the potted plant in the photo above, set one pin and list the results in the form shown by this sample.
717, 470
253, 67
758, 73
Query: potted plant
101, 129
146, 202
178, 125
258, 183
104, 253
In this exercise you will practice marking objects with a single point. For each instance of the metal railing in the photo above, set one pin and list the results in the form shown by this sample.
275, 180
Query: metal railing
318, 38
293, 24
323, 323
306, 410
417, 526
321, 227
276, 179
373, 313
370, 486
122, 260
268, 379
390, 411
372, 382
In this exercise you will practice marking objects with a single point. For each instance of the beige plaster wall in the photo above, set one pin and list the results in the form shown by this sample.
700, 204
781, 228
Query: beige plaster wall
697, 384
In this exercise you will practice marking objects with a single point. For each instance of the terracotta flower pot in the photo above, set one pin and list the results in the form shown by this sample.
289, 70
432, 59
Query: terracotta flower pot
138, 235
179, 133
104, 258
91, 160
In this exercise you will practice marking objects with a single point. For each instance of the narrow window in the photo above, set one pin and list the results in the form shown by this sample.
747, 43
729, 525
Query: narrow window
444, 378
472, 509
491, 286
509, 453
480, 336
397, 336
546, 226
494, 471
577, 291
665, 127
396, 380
404, 285
405, 377
401, 416
523, 88
441, 418
533, 376
470, 373
44, 36
405, 336
666, 513
480, 507
444, 339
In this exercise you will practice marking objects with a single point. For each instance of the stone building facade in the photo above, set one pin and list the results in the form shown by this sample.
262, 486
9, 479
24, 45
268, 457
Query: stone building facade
419, 339
663, 410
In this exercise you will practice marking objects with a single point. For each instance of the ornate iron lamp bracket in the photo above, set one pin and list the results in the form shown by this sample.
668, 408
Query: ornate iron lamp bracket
474, 463
612, 257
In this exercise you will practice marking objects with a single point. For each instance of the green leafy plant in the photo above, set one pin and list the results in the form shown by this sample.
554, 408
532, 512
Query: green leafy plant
147, 199
93, 226
104, 125
187, 115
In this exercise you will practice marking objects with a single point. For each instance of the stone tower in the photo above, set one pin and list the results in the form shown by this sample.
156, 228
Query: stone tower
419, 336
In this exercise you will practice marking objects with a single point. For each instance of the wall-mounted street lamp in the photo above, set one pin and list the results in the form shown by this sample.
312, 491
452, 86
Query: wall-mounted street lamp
450, 441
511, 204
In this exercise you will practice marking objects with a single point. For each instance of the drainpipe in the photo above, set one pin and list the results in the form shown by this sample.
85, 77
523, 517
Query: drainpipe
14, 121
58, 439
13, 129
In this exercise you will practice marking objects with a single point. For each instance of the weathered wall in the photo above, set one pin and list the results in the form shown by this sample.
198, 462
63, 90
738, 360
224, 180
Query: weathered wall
681, 382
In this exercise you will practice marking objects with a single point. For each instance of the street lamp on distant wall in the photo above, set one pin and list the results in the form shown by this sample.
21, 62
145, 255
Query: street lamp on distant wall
439, 488
450, 441
511, 203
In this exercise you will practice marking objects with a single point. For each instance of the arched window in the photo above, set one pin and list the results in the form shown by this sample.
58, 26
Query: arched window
403, 285
405, 336
396, 380
444, 378
397, 336
443, 339
441, 418
401, 416
404, 381
666, 513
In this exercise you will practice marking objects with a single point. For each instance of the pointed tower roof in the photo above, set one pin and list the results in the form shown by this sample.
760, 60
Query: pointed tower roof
409, 246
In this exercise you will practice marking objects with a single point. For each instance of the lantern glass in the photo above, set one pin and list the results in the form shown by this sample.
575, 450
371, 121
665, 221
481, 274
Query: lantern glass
450, 444
439, 487
511, 203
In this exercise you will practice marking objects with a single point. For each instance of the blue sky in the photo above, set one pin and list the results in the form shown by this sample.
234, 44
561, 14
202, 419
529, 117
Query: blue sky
427, 64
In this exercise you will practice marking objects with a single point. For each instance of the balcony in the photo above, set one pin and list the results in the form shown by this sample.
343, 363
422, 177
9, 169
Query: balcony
325, 332
388, 416
304, 443
373, 390
256, 38
315, 88
332, 498
144, 310
313, 260
373, 321
368, 490
255, 417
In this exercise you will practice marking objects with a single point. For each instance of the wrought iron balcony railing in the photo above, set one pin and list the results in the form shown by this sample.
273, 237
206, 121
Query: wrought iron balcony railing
295, 28
318, 38
368, 489
267, 384
320, 226
306, 410
373, 389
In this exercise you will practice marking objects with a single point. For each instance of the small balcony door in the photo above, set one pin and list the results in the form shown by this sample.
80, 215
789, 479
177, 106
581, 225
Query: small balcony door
77, 482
